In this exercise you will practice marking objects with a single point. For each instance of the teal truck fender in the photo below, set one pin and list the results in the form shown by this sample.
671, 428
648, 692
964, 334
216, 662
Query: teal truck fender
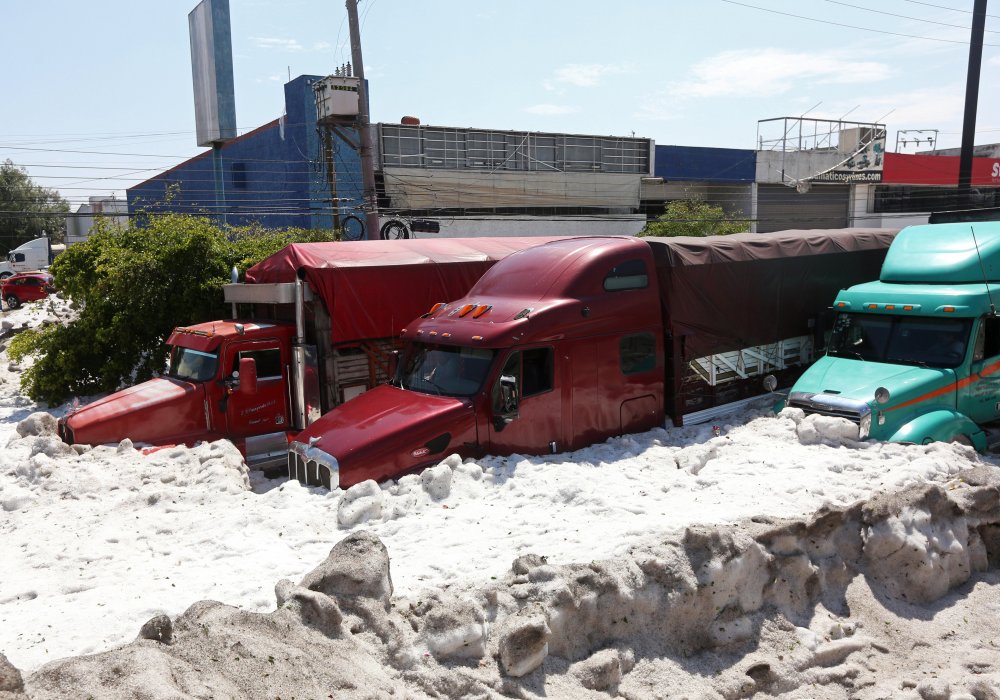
944, 426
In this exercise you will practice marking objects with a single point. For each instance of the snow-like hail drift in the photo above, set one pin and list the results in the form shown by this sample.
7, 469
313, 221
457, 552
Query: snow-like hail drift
95, 541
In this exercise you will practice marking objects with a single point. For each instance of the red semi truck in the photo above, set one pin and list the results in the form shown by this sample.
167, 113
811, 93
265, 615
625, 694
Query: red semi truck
573, 341
324, 323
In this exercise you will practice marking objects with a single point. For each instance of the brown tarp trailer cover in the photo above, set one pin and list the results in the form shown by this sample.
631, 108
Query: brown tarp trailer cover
372, 289
723, 293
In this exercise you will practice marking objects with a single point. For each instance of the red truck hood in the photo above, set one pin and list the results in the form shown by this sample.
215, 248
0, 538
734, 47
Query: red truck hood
387, 432
159, 411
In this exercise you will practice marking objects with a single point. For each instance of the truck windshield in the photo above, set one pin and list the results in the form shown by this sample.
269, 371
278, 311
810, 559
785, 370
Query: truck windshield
445, 370
192, 365
904, 340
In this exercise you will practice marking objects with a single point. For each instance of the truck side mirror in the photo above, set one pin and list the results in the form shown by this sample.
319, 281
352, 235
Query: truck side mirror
506, 409
248, 376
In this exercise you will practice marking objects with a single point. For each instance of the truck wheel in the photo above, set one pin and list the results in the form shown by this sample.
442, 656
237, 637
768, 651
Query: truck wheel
353, 228
394, 230
5, 275
961, 440
12, 301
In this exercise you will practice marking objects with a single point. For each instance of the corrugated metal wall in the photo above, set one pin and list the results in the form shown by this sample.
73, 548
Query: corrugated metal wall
449, 148
823, 206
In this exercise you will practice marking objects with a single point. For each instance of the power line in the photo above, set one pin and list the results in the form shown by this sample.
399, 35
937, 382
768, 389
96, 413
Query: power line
943, 7
850, 26
914, 19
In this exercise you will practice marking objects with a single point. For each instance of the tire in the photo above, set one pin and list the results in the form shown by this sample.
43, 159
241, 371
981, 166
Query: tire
962, 440
353, 228
394, 230
12, 302
5, 275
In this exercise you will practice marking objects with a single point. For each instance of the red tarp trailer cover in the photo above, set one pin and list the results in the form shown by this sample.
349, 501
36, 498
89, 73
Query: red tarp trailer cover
724, 293
372, 289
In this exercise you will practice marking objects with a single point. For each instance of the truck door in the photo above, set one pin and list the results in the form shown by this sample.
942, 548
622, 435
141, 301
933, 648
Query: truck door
266, 410
537, 427
979, 398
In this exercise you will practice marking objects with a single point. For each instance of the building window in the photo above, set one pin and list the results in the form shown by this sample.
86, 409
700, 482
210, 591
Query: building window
532, 369
630, 274
240, 176
268, 362
904, 199
537, 371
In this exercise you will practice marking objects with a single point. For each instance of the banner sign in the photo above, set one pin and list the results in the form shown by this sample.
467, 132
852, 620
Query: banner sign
916, 169
863, 166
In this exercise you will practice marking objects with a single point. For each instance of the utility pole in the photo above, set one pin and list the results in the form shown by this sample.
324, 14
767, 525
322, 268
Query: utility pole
367, 154
971, 102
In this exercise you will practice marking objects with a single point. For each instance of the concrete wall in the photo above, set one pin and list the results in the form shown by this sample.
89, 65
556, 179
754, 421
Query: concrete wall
776, 167
523, 225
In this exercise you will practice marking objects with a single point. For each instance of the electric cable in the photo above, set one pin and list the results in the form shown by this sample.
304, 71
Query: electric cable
850, 26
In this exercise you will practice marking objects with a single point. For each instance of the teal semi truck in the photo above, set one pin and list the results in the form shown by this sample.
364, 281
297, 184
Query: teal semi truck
915, 356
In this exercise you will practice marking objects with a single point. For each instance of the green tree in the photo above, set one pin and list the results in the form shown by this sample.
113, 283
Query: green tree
28, 210
694, 217
131, 286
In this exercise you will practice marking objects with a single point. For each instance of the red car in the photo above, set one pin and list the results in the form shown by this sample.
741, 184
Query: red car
26, 286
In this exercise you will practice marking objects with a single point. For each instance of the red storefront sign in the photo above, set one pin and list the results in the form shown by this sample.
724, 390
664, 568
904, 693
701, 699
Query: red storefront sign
909, 169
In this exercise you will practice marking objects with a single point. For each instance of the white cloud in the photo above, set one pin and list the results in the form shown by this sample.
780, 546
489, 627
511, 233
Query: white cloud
550, 110
585, 74
940, 106
768, 72
273, 78
656, 107
262, 42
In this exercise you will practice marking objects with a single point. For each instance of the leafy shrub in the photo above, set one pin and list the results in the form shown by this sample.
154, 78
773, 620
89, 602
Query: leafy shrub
694, 217
132, 286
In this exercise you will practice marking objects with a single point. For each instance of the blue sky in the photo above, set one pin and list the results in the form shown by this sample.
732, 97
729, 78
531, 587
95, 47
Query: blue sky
100, 97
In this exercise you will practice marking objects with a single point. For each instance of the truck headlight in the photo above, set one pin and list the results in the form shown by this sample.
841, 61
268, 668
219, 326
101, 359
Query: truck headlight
864, 428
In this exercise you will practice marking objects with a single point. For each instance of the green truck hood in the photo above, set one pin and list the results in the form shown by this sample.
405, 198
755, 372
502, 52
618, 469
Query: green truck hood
858, 380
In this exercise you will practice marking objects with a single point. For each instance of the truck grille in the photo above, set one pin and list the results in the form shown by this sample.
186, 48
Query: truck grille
312, 466
829, 405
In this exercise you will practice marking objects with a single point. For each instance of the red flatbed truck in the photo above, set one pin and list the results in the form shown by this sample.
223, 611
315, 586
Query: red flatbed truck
573, 341
324, 321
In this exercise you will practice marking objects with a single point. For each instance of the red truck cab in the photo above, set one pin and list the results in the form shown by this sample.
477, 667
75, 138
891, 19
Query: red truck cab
326, 323
553, 349
225, 379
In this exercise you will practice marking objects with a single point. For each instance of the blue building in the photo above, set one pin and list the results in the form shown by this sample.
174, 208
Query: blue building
442, 180
721, 176
276, 175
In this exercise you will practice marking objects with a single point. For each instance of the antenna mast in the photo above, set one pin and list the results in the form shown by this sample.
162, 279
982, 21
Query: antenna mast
986, 281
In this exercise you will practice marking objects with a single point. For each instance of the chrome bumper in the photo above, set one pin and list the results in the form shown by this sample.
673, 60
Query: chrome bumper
858, 412
312, 466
